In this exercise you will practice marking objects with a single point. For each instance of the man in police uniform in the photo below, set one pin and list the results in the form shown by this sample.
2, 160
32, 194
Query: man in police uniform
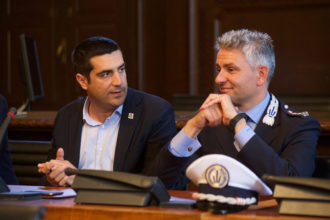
245, 121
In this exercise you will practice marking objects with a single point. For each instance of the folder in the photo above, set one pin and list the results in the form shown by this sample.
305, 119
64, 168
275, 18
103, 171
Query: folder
301, 196
117, 188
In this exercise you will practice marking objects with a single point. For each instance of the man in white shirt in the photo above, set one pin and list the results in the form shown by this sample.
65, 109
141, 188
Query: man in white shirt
115, 128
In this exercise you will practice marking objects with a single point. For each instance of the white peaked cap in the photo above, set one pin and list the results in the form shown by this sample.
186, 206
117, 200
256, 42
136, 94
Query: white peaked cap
239, 175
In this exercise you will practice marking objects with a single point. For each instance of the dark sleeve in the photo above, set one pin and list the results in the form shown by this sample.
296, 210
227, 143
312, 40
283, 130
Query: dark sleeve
67, 131
57, 133
53, 149
6, 168
162, 131
296, 157
60, 133
168, 168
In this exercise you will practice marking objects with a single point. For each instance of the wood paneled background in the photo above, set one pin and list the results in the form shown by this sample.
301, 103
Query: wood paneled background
168, 44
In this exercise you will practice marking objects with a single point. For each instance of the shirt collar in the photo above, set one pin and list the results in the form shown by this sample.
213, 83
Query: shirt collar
87, 119
257, 111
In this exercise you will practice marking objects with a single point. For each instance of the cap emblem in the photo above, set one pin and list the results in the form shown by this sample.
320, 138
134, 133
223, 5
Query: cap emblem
217, 176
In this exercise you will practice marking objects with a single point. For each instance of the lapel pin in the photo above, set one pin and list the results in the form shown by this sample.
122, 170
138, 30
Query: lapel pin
130, 115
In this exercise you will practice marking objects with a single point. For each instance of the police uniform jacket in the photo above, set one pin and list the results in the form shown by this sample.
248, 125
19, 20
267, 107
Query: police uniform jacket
286, 148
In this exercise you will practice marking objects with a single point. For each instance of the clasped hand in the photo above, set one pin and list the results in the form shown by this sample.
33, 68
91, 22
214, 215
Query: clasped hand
55, 170
217, 109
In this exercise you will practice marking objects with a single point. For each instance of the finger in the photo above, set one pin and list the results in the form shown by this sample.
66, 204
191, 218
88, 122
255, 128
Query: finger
63, 181
51, 180
213, 116
217, 116
60, 154
56, 171
211, 100
50, 165
43, 168
70, 180
53, 164
55, 179
203, 107
66, 163
216, 120
228, 109
59, 179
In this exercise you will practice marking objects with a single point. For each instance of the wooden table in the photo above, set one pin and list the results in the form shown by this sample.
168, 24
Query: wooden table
58, 209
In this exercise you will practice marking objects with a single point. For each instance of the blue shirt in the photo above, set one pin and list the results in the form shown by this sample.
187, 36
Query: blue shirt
181, 142
98, 140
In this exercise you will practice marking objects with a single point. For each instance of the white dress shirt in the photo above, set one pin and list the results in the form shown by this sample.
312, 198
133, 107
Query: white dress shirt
98, 140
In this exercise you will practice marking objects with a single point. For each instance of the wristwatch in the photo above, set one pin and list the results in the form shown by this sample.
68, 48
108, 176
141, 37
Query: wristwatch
234, 120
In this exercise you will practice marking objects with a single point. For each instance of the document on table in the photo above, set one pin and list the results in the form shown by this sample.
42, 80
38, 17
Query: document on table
46, 192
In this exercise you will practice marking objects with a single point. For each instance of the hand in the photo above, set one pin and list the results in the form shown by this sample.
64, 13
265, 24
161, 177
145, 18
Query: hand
46, 167
43, 167
217, 109
57, 175
209, 115
228, 109
55, 170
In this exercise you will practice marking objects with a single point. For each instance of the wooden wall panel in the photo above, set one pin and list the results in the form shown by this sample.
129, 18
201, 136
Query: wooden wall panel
58, 26
81, 20
165, 45
300, 30
158, 45
21, 17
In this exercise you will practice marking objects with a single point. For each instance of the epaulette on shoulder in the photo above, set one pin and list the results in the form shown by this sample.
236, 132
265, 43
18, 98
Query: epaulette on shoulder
292, 113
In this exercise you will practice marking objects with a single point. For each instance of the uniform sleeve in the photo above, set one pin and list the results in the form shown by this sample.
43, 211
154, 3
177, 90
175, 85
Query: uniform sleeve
294, 157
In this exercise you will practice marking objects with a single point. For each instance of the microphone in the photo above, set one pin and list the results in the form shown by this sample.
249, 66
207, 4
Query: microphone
4, 126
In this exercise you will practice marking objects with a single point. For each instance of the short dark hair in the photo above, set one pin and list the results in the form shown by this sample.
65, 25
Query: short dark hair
88, 48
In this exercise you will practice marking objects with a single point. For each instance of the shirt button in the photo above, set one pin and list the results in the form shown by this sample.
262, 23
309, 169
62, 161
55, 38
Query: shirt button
190, 148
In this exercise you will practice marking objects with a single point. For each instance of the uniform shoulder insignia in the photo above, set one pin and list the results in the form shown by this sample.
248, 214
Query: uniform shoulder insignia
271, 113
293, 113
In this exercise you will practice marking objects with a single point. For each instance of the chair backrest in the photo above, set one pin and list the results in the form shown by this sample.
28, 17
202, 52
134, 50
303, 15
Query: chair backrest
25, 156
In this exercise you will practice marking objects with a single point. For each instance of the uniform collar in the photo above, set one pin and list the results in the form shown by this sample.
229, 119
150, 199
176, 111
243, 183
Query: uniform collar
256, 112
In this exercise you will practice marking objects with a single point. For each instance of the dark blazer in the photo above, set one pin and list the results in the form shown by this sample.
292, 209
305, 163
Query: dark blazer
139, 139
6, 168
287, 148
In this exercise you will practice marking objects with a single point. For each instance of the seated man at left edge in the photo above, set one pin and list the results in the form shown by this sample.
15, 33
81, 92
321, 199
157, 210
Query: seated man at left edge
6, 169
114, 128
